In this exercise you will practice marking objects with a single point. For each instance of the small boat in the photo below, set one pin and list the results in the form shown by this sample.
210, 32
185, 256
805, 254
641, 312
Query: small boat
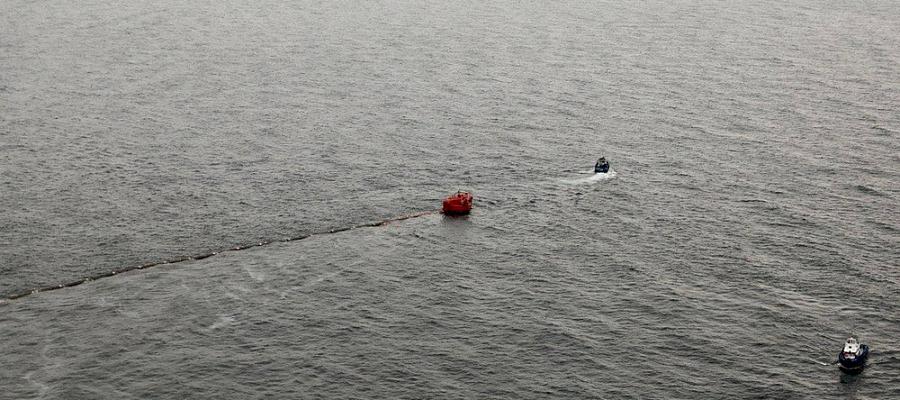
458, 204
853, 357
602, 166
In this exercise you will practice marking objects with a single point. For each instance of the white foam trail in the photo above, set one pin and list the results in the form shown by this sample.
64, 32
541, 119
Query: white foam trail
593, 178
255, 275
224, 320
41, 386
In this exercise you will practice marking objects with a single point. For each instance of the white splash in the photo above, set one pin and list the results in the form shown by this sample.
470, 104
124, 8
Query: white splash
592, 178
255, 275
224, 320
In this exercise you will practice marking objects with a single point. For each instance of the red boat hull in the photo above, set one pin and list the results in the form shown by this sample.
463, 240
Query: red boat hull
458, 204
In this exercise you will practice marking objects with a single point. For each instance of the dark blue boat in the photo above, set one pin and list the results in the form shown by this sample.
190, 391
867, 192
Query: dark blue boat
602, 166
854, 356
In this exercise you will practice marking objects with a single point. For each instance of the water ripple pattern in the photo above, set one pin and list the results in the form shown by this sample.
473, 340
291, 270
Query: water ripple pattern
750, 226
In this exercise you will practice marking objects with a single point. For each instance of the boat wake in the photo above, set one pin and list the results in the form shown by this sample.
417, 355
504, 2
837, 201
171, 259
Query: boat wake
592, 178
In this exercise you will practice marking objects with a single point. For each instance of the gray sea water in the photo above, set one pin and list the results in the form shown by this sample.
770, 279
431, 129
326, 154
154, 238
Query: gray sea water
749, 226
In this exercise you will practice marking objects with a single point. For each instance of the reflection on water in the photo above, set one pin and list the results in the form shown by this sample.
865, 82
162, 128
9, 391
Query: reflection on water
457, 221
851, 382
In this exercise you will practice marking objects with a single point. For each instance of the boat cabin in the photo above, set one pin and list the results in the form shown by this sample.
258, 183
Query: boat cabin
851, 346
602, 165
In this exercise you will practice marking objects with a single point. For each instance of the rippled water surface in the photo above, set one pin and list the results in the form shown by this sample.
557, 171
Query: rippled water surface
749, 224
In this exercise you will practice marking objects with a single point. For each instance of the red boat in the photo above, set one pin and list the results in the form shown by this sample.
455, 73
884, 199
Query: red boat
458, 204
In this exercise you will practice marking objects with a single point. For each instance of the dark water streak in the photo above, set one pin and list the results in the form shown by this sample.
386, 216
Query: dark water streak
207, 255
